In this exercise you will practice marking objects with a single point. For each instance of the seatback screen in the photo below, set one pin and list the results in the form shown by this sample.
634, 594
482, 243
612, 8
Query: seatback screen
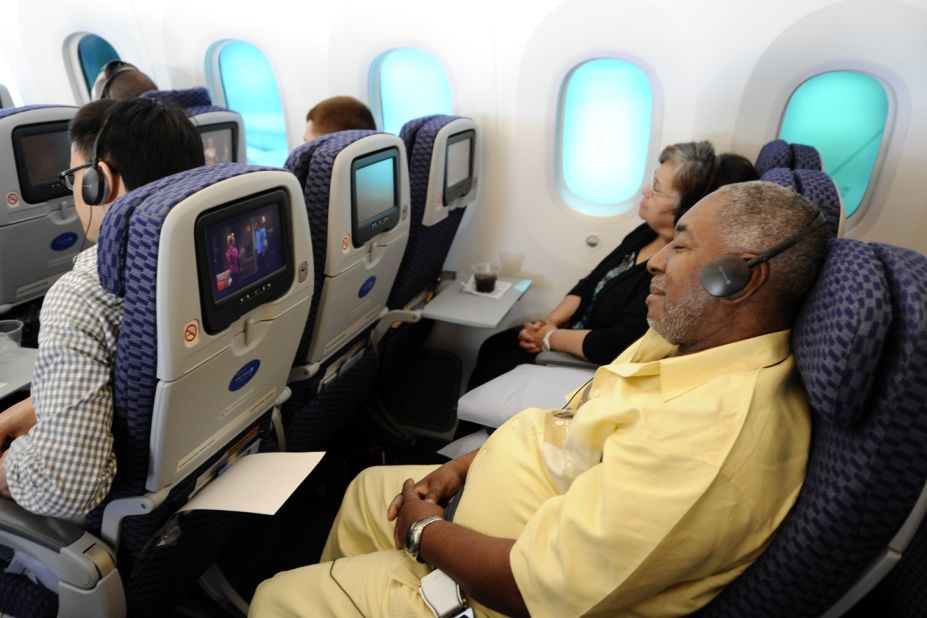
244, 250
218, 144
374, 194
244, 256
458, 165
458, 162
42, 151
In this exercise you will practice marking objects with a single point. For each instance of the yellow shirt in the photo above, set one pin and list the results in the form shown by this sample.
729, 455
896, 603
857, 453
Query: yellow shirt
666, 484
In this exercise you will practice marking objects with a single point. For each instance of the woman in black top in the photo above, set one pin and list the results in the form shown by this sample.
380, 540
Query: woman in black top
606, 311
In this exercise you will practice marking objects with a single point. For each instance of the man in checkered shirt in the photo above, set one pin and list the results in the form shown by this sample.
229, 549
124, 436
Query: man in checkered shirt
61, 461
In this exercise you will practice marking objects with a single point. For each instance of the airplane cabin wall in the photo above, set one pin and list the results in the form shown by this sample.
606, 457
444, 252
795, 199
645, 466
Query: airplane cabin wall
720, 70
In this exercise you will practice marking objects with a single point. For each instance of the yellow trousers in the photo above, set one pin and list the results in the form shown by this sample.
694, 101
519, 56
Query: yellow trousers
361, 573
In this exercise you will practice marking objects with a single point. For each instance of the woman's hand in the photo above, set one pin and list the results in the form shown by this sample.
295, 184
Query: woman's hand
438, 487
532, 335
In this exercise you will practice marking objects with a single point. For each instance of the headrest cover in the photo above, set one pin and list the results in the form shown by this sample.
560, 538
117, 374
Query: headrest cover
781, 176
145, 209
840, 332
774, 154
10, 111
820, 189
187, 98
805, 158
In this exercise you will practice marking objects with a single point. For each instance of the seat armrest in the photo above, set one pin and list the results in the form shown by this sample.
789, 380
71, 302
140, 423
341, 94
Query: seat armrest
562, 359
47, 532
79, 560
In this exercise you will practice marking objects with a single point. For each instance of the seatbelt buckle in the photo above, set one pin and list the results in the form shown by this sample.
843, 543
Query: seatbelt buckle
442, 595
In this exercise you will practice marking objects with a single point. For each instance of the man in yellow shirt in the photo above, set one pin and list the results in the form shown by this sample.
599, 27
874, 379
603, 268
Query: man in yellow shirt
663, 480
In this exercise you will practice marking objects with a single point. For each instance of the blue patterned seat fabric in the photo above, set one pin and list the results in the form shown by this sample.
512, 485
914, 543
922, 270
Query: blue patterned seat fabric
779, 153
806, 158
867, 464
816, 186
774, 154
428, 246
194, 101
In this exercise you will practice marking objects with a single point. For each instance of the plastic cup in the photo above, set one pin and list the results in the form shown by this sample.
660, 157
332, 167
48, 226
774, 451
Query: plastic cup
485, 275
11, 337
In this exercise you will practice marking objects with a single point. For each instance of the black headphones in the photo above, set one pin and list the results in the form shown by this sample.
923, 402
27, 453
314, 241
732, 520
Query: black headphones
729, 274
94, 188
124, 67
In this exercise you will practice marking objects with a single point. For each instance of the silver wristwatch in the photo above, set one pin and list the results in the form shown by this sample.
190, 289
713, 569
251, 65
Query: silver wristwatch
414, 535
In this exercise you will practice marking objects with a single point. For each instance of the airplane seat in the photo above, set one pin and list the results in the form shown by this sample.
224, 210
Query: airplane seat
40, 232
5, 99
860, 342
443, 180
772, 155
444, 169
222, 130
821, 190
806, 158
779, 153
201, 367
356, 186
817, 187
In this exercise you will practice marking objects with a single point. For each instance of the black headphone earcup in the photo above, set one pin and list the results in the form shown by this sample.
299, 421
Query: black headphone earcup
94, 188
725, 276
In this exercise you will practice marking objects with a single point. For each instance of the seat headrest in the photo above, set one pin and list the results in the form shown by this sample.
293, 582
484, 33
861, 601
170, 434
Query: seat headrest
781, 176
814, 185
821, 190
840, 332
299, 160
186, 98
409, 131
144, 209
10, 111
805, 158
774, 154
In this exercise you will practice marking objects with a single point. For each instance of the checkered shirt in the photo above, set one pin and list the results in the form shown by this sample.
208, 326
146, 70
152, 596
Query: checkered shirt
65, 464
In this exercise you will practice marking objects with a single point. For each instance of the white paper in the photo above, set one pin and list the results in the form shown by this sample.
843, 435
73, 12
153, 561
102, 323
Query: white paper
258, 483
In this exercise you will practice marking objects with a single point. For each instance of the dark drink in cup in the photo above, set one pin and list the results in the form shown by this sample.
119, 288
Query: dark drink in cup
484, 276
485, 282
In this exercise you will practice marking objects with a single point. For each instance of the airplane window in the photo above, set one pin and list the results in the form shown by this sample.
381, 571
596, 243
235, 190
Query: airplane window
843, 115
606, 108
94, 52
249, 87
408, 83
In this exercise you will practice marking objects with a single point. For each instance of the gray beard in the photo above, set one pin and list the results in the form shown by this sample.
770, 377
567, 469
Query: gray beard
680, 323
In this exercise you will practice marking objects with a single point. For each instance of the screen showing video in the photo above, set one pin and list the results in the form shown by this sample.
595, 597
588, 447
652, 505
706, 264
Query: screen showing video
217, 145
244, 249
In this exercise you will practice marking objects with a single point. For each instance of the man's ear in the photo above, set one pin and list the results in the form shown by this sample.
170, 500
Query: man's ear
116, 186
758, 276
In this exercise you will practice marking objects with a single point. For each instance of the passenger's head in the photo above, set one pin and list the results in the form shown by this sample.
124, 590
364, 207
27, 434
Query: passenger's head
121, 81
337, 114
744, 220
136, 142
680, 180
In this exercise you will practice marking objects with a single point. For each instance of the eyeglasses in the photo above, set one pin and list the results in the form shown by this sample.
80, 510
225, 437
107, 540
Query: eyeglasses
653, 188
67, 176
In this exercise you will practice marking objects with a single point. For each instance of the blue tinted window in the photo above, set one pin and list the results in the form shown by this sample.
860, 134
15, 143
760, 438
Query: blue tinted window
411, 84
605, 117
250, 89
94, 52
842, 114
